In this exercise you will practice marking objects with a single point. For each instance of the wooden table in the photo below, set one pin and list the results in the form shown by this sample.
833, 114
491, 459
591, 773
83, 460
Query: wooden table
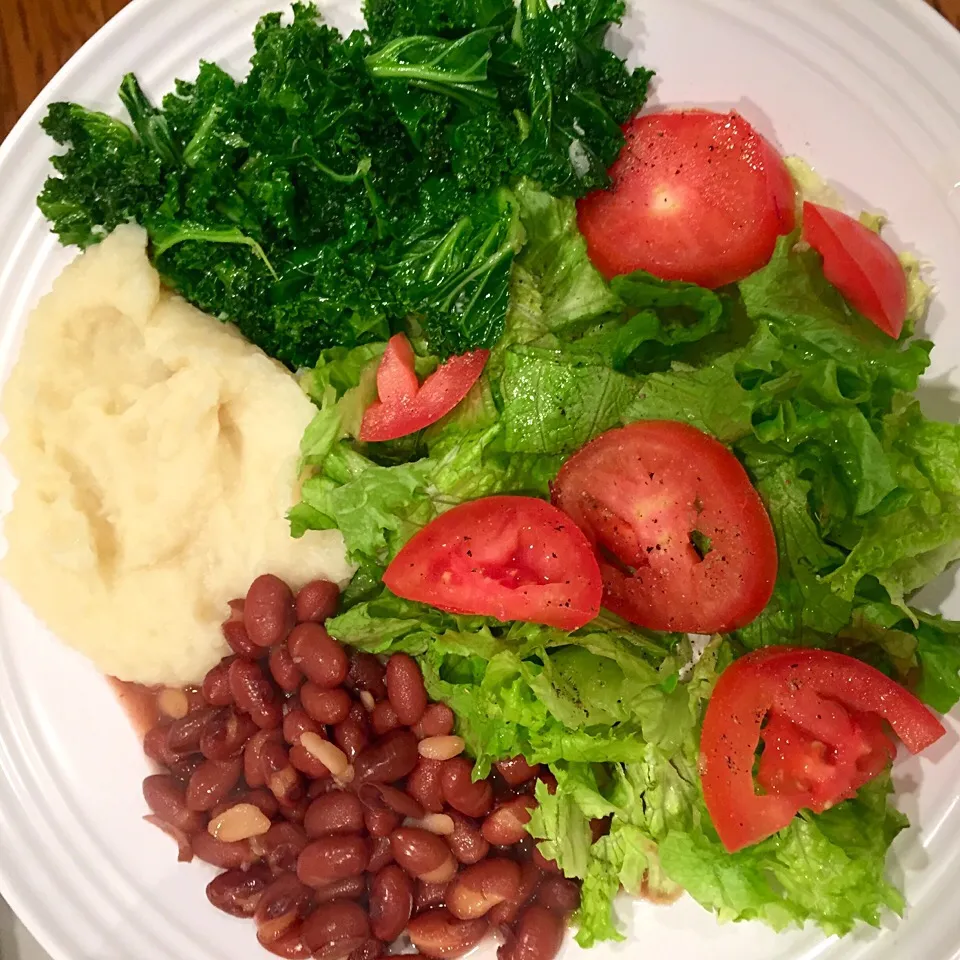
37, 37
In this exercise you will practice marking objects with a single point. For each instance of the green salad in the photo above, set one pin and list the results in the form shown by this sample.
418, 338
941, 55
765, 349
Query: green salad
422, 177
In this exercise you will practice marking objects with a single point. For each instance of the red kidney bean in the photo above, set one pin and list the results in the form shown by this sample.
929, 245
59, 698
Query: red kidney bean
332, 858
381, 822
262, 799
599, 827
353, 735
506, 913
429, 895
371, 950
559, 895
184, 850
437, 933
382, 853
437, 721
317, 788
225, 734
466, 841
304, 761
423, 784
459, 790
216, 685
254, 694
155, 746
538, 935
507, 824
384, 718
166, 798
390, 758
235, 633
335, 929
268, 611
212, 782
290, 947
376, 795
478, 889
282, 906
423, 855
235, 855
334, 813
280, 846
317, 601
238, 892
349, 888
185, 767
549, 780
391, 903
405, 689
294, 810
548, 866
517, 771
284, 670
297, 722
325, 706
366, 672
183, 735
253, 768
318, 655
282, 779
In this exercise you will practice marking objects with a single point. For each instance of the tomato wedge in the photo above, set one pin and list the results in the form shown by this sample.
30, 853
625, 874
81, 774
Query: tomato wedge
862, 266
823, 735
513, 558
683, 538
403, 404
696, 196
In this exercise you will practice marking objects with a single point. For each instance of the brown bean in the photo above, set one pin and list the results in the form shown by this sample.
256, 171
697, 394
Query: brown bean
405, 689
382, 853
391, 758
423, 784
282, 906
167, 799
290, 947
268, 611
459, 790
237, 855
478, 889
238, 892
284, 670
429, 895
225, 734
466, 841
384, 718
438, 933
538, 935
296, 722
235, 633
335, 929
280, 846
349, 888
391, 903
334, 813
282, 779
366, 672
506, 913
317, 601
437, 721
262, 799
254, 694
423, 855
318, 655
507, 824
325, 706
155, 745
376, 795
560, 895
212, 782
353, 735
185, 767
517, 771
332, 858
216, 685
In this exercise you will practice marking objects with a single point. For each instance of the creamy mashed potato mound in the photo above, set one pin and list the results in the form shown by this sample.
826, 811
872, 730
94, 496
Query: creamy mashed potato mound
156, 452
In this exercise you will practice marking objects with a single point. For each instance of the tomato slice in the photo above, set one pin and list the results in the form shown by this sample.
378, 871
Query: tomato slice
513, 558
862, 266
683, 538
823, 740
696, 195
403, 404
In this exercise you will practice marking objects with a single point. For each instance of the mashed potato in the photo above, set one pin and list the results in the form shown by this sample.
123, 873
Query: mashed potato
156, 452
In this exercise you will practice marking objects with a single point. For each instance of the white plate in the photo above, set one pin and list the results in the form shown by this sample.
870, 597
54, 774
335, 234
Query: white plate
868, 90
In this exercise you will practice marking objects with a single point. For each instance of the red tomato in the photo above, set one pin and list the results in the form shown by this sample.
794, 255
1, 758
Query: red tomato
683, 538
860, 265
405, 406
696, 196
824, 737
513, 558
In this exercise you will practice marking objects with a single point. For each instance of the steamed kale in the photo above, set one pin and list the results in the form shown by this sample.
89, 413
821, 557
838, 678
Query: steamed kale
350, 187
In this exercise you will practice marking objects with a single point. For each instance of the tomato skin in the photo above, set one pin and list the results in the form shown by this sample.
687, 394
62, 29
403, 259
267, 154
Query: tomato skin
862, 266
404, 405
513, 558
696, 196
639, 492
839, 696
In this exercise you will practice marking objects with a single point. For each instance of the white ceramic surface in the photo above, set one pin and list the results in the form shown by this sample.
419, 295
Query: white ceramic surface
868, 90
